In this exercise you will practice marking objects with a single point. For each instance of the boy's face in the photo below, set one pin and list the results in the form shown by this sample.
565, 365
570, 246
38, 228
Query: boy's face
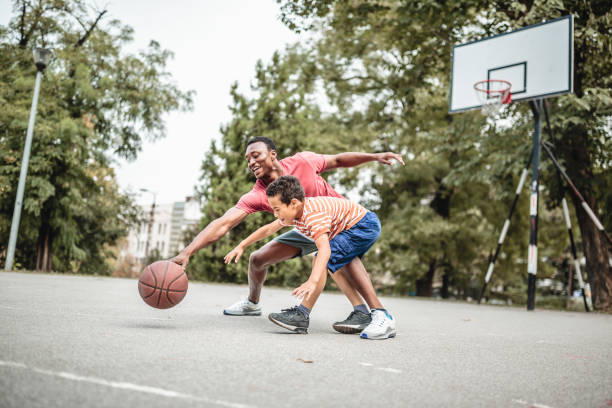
285, 213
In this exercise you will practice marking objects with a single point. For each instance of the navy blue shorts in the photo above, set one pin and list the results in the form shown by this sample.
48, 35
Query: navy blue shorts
353, 242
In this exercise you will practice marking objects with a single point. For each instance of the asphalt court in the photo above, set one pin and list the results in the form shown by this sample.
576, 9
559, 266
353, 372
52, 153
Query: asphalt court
68, 341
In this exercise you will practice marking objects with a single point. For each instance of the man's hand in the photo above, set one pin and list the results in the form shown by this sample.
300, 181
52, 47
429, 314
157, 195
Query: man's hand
385, 158
181, 259
304, 290
236, 252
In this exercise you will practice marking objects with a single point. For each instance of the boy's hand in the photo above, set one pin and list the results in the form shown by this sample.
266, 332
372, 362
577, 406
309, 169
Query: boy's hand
236, 252
304, 290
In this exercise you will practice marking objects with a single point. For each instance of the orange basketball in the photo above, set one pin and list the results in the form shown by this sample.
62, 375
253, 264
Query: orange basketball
163, 284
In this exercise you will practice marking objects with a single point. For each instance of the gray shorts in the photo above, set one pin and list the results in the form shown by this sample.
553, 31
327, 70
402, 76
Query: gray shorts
297, 240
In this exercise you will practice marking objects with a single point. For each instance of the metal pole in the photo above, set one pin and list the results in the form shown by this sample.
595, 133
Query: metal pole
150, 228
585, 206
504, 231
22, 178
532, 256
585, 289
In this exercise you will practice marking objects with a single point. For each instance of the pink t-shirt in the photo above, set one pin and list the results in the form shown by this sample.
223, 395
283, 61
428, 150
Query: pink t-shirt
306, 166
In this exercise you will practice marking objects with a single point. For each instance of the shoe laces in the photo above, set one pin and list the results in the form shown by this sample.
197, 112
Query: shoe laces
353, 313
293, 309
378, 318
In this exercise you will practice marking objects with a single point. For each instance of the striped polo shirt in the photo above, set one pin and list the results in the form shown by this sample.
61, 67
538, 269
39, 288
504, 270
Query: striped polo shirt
328, 215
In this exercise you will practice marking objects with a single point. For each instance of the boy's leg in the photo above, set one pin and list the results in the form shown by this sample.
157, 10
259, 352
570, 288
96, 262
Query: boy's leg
359, 279
274, 252
382, 325
310, 301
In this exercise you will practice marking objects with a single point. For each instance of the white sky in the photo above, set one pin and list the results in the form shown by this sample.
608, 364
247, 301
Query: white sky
215, 42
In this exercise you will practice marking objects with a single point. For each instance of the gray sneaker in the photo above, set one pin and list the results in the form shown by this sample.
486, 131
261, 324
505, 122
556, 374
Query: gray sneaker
354, 323
291, 319
243, 307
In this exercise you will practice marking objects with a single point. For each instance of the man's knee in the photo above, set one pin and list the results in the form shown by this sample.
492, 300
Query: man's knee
258, 259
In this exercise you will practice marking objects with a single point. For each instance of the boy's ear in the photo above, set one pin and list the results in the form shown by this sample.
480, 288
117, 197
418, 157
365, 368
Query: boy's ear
294, 201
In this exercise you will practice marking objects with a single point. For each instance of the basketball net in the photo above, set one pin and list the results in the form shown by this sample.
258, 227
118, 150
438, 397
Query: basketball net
493, 94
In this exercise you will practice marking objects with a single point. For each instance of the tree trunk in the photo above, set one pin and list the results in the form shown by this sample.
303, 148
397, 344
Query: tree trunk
578, 157
444, 291
424, 284
44, 258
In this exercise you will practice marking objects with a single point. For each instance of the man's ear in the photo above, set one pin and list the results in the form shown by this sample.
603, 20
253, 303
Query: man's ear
273, 154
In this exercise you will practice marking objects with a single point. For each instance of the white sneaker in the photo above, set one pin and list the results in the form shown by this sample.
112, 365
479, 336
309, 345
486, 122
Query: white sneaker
243, 307
382, 326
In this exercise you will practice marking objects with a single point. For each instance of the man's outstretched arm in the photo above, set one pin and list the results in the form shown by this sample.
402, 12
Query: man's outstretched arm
352, 159
213, 231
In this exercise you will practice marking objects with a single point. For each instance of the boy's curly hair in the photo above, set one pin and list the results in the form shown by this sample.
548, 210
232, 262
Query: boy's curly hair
287, 187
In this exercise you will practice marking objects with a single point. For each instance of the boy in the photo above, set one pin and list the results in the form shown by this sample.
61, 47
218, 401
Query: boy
342, 230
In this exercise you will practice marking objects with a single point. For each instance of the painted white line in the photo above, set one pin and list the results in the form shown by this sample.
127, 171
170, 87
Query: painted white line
125, 386
534, 405
106, 316
386, 369
389, 370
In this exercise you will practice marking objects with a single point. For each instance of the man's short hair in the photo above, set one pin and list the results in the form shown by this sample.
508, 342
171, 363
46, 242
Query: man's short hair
268, 142
287, 187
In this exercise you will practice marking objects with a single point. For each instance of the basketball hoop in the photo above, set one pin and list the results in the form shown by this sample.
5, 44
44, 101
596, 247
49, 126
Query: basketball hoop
493, 95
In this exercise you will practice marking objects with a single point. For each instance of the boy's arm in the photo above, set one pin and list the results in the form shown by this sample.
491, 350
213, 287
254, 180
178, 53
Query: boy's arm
312, 288
258, 235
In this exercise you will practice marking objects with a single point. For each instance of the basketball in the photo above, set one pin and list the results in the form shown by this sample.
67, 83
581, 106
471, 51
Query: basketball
163, 284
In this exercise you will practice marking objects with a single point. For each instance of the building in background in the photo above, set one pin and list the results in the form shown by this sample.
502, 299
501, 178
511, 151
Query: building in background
169, 224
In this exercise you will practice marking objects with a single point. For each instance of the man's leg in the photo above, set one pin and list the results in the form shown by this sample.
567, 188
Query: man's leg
270, 254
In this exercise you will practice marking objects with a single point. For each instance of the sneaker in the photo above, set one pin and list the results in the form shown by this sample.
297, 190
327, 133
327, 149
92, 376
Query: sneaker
291, 319
354, 323
382, 326
243, 307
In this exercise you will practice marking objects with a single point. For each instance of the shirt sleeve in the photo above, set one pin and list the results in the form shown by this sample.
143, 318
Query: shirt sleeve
319, 224
250, 203
316, 161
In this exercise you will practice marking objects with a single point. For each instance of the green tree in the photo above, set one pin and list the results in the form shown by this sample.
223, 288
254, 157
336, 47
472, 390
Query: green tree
395, 56
282, 109
96, 103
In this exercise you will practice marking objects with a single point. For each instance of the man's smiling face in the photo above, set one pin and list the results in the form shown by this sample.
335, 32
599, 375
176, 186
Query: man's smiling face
259, 159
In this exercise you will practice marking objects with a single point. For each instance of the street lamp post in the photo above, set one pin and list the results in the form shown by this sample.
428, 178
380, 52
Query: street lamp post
42, 57
151, 221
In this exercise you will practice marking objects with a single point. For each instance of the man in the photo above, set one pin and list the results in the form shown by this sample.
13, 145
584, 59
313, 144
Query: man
261, 156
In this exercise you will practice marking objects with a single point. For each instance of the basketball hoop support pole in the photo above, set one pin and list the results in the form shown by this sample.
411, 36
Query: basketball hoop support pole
504, 231
532, 256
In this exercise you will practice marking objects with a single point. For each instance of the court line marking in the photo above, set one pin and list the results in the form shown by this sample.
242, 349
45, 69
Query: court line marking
83, 314
534, 405
125, 385
386, 369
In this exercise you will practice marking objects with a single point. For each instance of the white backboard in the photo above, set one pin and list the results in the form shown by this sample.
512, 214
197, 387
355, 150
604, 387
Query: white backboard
538, 60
